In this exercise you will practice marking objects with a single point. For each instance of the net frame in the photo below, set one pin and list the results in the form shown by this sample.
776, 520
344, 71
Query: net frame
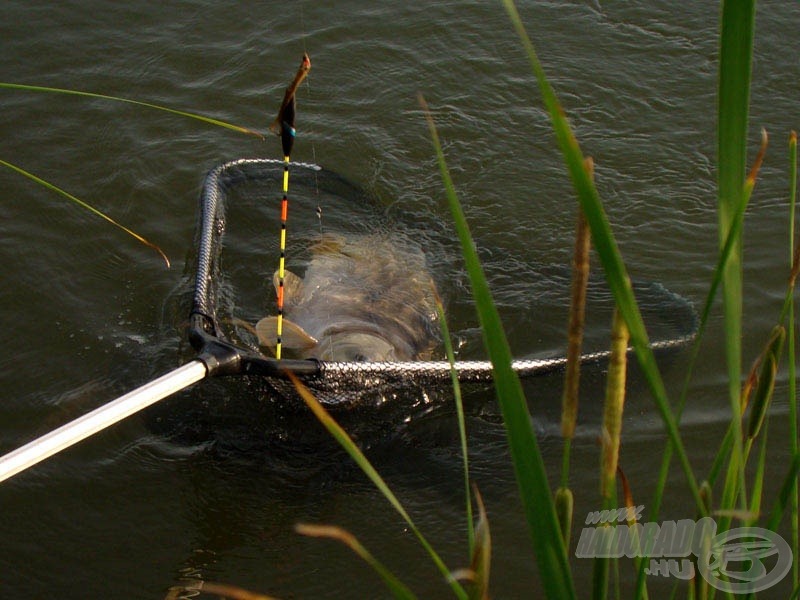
335, 381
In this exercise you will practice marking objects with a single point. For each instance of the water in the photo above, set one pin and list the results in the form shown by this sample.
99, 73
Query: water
90, 314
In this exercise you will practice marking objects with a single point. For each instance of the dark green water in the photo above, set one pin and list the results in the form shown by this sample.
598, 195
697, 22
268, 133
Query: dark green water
89, 314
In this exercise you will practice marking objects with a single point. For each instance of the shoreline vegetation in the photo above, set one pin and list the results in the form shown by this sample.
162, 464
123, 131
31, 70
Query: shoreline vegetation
729, 496
725, 498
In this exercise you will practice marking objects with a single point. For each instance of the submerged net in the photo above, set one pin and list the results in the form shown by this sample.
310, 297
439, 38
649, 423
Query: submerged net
237, 227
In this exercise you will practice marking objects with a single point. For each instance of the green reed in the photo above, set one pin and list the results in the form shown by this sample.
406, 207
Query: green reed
150, 105
85, 205
735, 189
462, 427
736, 51
528, 464
791, 351
607, 249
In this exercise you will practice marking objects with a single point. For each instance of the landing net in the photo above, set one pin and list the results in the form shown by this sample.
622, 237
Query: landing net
221, 316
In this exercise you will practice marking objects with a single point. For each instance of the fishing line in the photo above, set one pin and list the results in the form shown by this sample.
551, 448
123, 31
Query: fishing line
311, 129
284, 126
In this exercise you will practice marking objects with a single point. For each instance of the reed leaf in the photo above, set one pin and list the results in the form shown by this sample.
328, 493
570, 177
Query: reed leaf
462, 427
716, 281
600, 569
398, 588
607, 251
529, 468
88, 207
791, 351
736, 50
181, 113
758, 484
346, 442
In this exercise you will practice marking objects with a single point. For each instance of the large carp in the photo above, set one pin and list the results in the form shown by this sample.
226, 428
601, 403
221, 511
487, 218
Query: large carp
362, 298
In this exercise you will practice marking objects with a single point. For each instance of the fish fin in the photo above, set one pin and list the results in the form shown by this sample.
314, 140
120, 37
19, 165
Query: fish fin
292, 287
293, 336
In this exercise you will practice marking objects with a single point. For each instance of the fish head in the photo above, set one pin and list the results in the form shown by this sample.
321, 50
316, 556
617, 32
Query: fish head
336, 344
355, 346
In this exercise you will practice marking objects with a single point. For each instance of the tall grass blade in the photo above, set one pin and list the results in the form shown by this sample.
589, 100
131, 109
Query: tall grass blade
600, 569
607, 251
398, 588
462, 427
190, 115
716, 282
346, 442
88, 207
761, 385
736, 50
791, 351
705, 315
758, 485
730, 243
529, 468
734, 82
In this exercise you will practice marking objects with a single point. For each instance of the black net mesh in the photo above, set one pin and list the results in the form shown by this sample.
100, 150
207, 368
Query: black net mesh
237, 253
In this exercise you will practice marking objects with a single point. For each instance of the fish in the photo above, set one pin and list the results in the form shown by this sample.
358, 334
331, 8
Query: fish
368, 297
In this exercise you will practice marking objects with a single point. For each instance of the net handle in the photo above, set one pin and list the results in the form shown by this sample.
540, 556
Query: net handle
93, 422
